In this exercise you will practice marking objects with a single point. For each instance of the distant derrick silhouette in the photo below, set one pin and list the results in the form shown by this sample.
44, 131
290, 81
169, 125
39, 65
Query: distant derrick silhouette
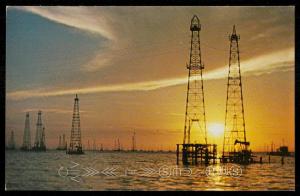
39, 144
26, 137
75, 146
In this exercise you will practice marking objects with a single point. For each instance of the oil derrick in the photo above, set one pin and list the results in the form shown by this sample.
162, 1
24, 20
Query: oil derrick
64, 143
26, 137
88, 145
39, 144
195, 121
75, 139
11, 143
94, 146
195, 109
119, 145
59, 147
133, 142
235, 145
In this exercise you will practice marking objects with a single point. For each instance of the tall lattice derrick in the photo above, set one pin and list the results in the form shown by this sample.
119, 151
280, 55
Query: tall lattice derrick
235, 132
195, 107
75, 139
39, 144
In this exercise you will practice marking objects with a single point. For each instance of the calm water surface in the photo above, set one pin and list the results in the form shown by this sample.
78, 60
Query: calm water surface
54, 170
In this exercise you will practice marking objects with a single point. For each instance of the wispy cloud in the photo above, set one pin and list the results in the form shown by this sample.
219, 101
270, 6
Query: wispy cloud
76, 17
266, 64
86, 19
124, 27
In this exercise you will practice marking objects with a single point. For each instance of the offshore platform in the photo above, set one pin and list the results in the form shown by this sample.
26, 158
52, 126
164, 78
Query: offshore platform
235, 144
201, 151
39, 144
62, 145
75, 139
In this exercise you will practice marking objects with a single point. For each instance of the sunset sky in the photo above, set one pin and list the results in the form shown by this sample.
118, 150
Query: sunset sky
128, 66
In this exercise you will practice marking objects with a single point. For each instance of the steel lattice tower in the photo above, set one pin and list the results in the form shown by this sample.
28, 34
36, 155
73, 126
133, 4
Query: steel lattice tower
235, 132
75, 139
195, 108
26, 137
39, 143
11, 142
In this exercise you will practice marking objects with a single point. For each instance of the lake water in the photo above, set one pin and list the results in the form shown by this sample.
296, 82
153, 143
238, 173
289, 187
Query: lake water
55, 170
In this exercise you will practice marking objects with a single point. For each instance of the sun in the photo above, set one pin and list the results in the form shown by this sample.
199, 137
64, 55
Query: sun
216, 129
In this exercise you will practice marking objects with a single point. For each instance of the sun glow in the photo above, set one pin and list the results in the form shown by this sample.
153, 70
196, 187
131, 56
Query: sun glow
216, 129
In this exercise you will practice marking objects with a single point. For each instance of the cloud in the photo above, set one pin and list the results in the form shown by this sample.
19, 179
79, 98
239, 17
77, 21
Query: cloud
76, 17
134, 28
99, 61
266, 64
97, 22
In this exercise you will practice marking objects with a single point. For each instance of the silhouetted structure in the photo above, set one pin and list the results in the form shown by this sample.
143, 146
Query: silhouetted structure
39, 144
59, 144
195, 107
133, 142
281, 151
62, 145
94, 146
117, 145
235, 145
11, 143
75, 139
88, 145
64, 142
26, 146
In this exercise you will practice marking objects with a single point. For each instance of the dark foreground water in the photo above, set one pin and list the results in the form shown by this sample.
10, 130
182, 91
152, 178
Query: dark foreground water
54, 170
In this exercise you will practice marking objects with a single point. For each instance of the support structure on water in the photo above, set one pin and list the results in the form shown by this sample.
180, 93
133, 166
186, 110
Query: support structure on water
199, 151
235, 144
75, 146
